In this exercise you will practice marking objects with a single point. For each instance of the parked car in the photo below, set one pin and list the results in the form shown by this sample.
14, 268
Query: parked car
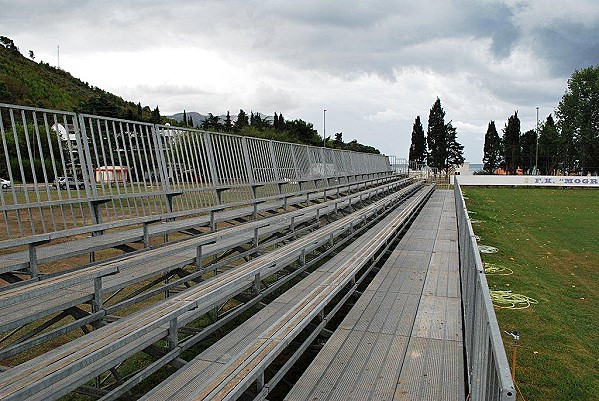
5, 183
68, 182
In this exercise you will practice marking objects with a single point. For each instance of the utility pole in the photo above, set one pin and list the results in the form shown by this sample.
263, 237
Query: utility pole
324, 130
537, 151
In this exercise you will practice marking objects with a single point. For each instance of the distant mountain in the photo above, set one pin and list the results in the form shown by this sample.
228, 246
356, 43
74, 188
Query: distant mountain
196, 118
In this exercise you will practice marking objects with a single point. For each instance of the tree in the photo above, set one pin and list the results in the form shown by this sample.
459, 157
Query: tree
155, 116
281, 124
275, 122
31, 55
528, 147
140, 113
492, 149
257, 121
242, 120
418, 144
578, 115
9, 44
550, 147
303, 132
455, 150
511, 143
212, 123
101, 104
436, 136
184, 118
228, 123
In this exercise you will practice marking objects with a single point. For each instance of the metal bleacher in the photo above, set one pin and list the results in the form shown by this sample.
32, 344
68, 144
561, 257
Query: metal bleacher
211, 266
403, 338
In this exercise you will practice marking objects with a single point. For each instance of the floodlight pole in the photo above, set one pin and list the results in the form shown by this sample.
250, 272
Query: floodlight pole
537, 151
324, 130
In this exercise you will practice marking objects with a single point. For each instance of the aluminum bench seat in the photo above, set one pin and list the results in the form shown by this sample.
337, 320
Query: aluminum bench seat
157, 225
228, 367
63, 365
403, 338
148, 263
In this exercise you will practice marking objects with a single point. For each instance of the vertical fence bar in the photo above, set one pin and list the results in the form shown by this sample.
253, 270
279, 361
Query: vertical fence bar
115, 169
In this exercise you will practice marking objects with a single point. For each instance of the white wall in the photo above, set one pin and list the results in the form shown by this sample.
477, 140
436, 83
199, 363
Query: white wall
530, 180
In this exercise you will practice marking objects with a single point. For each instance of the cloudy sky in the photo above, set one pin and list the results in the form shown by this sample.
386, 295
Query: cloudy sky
373, 65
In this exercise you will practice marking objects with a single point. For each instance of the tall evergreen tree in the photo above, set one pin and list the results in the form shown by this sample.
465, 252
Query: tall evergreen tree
511, 144
455, 150
228, 123
528, 146
418, 144
155, 116
184, 118
436, 136
281, 124
242, 120
550, 147
492, 149
190, 121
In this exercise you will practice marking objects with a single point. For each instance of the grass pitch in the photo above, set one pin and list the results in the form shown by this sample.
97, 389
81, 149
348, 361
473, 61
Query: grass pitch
549, 238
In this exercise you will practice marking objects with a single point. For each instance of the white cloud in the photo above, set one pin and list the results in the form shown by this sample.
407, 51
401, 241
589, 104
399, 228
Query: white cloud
385, 116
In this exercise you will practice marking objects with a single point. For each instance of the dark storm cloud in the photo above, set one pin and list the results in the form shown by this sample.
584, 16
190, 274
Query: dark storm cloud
338, 36
569, 47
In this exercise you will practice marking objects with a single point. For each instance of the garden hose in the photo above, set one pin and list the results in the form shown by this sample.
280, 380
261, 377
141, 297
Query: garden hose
508, 300
497, 270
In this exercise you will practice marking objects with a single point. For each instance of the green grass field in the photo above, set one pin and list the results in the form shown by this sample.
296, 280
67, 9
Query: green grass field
549, 238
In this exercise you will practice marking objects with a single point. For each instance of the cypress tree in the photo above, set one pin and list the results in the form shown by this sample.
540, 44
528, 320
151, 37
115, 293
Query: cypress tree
155, 116
455, 150
242, 120
436, 136
528, 141
511, 144
491, 149
281, 122
418, 145
551, 150
228, 122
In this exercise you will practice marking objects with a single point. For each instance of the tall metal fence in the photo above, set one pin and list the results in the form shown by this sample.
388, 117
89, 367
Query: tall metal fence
64, 170
487, 366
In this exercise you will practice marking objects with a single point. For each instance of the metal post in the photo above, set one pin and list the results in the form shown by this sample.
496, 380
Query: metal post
324, 128
537, 151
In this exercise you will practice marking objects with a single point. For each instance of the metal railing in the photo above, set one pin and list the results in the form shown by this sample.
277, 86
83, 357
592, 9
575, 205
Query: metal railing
487, 366
68, 170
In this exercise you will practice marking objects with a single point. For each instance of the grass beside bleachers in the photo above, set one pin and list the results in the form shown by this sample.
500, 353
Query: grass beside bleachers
549, 238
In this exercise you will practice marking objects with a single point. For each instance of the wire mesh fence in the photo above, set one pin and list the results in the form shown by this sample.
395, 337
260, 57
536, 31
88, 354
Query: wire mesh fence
64, 170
